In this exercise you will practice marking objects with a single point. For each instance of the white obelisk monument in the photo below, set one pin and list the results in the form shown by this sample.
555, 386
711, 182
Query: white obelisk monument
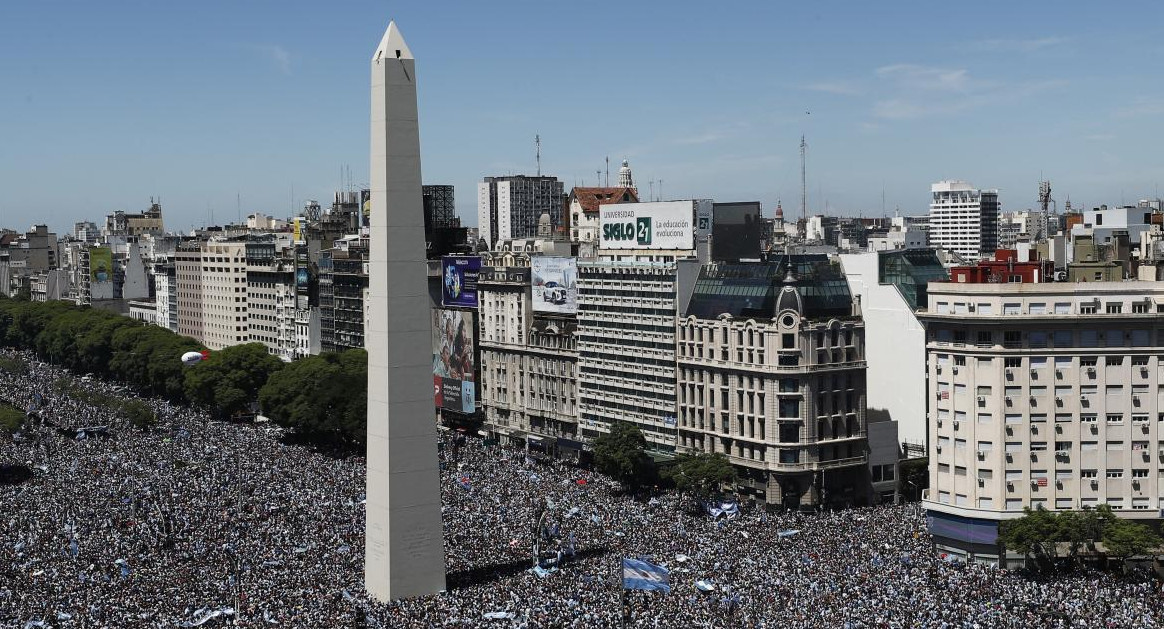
404, 555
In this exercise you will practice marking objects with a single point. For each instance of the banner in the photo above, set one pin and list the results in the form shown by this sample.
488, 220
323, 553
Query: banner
454, 360
459, 280
100, 265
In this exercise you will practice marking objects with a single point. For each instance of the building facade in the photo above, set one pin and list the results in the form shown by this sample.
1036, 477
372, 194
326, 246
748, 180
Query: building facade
343, 278
529, 383
964, 219
771, 374
509, 207
1041, 395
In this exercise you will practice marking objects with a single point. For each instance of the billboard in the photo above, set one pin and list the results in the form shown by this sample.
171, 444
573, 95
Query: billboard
661, 225
100, 265
555, 284
459, 281
735, 231
453, 360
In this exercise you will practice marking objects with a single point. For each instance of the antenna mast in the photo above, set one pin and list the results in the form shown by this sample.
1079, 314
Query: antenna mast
803, 189
538, 148
607, 171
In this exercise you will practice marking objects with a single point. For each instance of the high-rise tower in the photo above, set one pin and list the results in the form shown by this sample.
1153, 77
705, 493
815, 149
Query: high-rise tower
404, 555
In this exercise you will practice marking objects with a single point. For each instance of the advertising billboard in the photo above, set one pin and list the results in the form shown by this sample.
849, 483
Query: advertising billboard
100, 265
453, 360
459, 280
661, 225
735, 231
555, 284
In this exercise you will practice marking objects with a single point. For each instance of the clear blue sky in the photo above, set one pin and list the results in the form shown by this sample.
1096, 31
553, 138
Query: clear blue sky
103, 104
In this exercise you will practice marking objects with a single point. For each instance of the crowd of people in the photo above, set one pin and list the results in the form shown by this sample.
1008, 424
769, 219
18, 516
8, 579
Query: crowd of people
202, 523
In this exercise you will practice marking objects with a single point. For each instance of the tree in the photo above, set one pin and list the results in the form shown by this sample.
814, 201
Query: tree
621, 454
702, 474
323, 399
1033, 534
230, 379
11, 418
139, 414
1124, 538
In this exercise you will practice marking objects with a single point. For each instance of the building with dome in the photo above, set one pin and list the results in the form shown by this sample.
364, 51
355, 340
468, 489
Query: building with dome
771, 373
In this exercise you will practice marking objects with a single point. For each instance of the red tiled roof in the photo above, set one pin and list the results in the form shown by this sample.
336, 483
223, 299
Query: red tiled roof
591, 198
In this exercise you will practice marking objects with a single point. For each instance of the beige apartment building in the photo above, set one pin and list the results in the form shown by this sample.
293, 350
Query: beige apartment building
212, 292
1041, 395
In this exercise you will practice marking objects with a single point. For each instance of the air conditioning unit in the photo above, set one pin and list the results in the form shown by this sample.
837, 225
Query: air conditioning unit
1009, 372
982, 399
955, 370
1144, 370
1091, 371
1034, 455
981, 455
1009, 486
1034, 400
1094, 483
1059, 484
1009, 430
1034, 483
938, 369
1058, 428
939, 448
1058, 373
956, 424
1136, 400
1035, 374
938, 395
1009, 457
1062, 453
1135, 482
1008, 400
939, 422
981, 482
1059, 401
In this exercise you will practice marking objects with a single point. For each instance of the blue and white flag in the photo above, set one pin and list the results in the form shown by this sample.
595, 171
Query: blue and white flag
641, 575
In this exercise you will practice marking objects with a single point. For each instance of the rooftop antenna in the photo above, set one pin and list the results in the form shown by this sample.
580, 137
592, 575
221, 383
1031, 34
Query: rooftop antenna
538, 149
238, 205
660, 190
597, 178
607, 171
803, 189
652, 195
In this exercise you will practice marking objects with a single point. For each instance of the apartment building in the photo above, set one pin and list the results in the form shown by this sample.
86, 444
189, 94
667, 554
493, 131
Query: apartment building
270, 296
963, 219
188, 276
771, 373
224, 294
1041, 395
529, 384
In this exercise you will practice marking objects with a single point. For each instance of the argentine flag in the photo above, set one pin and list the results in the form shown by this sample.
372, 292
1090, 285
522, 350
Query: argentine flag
641, 575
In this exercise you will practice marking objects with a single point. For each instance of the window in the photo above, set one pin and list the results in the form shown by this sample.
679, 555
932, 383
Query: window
1012, 309
1140, 308
1088, 474
985, 339
1114, 308
1014, 504
1115, 473
1013, 363
1062, 308
1012, 339
1088, 446
1139, 473
1062, 339
1087, 308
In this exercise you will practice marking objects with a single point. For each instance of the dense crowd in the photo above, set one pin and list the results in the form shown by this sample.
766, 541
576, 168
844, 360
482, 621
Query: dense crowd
200, 523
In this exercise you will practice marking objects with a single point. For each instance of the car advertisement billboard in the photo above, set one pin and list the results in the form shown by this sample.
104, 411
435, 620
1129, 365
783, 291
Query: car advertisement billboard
453, 360
661, 225
555, 284
459, 280
100, 265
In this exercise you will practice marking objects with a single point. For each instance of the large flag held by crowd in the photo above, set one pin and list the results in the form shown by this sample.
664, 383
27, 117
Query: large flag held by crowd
642, 575
730, 508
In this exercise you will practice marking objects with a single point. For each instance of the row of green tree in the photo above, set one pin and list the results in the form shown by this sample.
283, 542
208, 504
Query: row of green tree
1045, 536
322, 398
622, 455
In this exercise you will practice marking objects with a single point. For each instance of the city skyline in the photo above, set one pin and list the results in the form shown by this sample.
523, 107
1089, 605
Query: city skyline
232, 110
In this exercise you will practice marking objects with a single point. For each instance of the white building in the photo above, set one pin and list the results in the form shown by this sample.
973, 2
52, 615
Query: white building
964, 219
510, 207
165, 294
1042, 395
891, 287
627, 305
1103, 222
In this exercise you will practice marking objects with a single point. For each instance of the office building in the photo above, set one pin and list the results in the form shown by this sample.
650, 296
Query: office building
510, 207
964, 219
343, 278
1041, 395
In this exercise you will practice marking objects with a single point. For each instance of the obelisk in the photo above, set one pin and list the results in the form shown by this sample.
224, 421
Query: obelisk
404, 555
